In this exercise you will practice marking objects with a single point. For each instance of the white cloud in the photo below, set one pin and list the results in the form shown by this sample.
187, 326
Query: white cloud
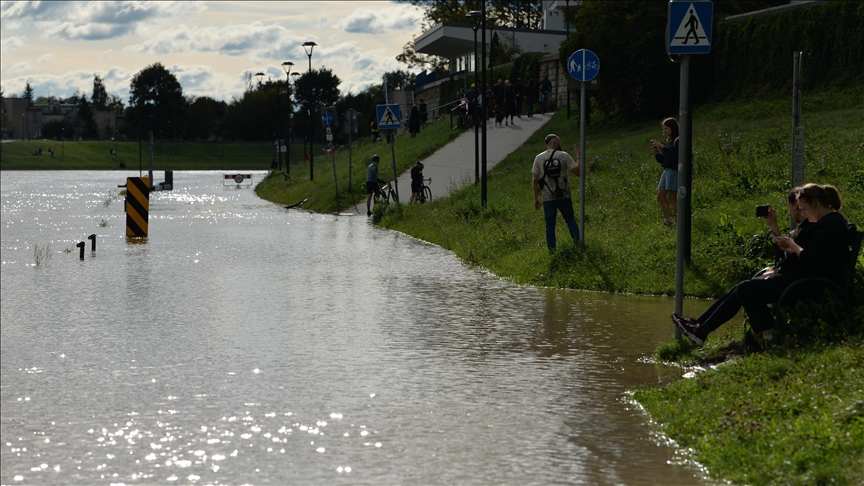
11, 44
379, 22
106, 54
19, 68
46, 57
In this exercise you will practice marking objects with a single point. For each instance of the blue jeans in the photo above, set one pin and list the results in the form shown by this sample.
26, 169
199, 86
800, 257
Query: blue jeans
550, 212
530, 101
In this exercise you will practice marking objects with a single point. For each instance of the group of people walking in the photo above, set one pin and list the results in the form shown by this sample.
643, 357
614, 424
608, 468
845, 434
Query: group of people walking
508, 100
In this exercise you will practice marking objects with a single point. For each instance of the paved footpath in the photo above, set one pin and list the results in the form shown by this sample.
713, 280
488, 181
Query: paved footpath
453, 164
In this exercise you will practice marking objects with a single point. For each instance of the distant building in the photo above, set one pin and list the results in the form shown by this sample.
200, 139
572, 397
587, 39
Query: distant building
22, 121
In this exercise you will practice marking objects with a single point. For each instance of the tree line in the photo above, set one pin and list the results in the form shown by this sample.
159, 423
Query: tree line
157, 103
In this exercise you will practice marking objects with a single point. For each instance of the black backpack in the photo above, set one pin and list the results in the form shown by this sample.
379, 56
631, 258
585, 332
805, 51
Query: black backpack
551, 174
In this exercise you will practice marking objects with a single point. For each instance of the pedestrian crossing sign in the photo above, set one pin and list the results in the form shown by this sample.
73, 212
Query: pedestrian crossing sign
389, 117
688, 30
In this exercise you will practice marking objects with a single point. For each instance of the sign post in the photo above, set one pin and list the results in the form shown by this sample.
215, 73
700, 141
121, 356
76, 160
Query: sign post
389, 118
583, 66
688, 31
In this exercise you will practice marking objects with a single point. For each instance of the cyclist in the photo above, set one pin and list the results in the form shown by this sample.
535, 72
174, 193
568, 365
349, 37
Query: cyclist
416, 181
372, 181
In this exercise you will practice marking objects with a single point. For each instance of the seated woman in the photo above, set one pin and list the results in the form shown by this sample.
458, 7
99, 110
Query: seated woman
819, 249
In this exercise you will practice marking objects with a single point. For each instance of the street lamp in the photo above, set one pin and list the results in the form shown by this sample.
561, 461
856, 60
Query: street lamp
63, 142
475, 16
287, 67
310, 45
483, 62
260, 76
567, 24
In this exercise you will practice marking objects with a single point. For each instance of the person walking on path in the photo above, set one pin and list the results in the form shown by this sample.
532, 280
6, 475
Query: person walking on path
509, 103
530, 97
498, 92
551, 168
372, 184
424, 113
519, 89
545, 92
414, 121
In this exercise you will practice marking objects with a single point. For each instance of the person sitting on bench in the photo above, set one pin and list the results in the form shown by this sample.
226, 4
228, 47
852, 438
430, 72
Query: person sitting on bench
819, 250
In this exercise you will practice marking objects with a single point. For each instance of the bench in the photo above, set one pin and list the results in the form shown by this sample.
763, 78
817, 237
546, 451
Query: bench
809, 288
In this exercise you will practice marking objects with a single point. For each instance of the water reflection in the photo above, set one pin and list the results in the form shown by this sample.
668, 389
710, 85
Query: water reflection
243, 343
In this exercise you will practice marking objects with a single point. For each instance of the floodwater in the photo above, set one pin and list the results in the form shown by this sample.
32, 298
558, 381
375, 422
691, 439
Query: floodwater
243, 343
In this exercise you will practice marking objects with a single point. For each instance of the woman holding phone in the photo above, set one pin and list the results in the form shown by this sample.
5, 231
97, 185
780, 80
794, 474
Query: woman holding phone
667, 155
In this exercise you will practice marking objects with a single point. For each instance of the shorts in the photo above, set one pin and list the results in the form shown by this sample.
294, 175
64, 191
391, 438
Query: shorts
372, 188
668, 181
415, 186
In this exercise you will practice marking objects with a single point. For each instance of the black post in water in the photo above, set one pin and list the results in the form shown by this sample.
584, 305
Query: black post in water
686, 126
393, 154
93, 242
81, 245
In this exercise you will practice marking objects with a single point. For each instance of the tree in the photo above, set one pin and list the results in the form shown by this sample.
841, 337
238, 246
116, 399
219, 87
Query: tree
28, 94
156, 103
414, 59
399, 80
317, 88
205, 117
100, 96
87, 127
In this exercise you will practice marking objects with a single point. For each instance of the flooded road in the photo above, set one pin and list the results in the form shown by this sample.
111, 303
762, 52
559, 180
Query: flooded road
243, 343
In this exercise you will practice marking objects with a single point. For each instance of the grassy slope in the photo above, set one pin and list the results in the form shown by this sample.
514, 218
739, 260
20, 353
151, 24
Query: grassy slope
742, 156
18, 155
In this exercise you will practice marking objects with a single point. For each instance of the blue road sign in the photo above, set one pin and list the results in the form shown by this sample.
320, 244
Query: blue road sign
389, 117
327, 118
583, 65
689, 27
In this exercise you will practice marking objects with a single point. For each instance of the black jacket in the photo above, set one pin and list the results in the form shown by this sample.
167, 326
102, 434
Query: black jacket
668, 157
826, 250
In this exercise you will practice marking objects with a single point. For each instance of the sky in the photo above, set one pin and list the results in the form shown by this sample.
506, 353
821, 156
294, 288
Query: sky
210, 47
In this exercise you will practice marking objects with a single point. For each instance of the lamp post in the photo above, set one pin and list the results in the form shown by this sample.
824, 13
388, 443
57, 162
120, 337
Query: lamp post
308, 47
474, 15
287, 67
483, 61
63, 143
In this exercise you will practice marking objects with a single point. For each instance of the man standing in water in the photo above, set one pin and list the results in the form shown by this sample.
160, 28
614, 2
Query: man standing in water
372, 184
550, 171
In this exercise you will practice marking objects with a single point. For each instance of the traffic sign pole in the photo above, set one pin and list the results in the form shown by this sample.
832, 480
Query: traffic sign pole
583, 65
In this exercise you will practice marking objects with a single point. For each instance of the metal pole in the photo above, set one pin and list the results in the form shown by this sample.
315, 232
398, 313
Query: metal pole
393, 153
311, 131
583, 167
476, 115
685, 126
350, 148
288, 124
483, 149
581, 111
797, 131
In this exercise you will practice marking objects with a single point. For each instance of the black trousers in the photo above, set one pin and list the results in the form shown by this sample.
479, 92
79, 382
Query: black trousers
754, 295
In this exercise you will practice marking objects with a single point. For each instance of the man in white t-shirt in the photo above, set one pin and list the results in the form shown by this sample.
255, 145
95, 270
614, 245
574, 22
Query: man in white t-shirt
551, 169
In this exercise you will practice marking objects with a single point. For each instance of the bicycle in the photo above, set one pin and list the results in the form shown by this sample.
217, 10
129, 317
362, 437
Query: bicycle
386, 191
425, 193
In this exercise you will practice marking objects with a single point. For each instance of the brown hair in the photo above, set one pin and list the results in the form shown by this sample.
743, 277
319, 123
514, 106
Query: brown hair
826, 195
792, 195
673, 124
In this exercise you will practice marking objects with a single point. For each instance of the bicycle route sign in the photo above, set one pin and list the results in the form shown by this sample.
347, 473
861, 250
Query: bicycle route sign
327, 118
583, 65
389, 117
689, 27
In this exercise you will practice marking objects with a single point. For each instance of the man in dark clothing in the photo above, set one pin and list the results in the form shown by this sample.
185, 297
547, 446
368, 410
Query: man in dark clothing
519, 89
545, 92
471, 97
498, 93
424, 115
416, 180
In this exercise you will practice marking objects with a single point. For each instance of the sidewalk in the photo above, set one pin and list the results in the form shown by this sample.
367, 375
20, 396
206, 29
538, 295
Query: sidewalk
453, 164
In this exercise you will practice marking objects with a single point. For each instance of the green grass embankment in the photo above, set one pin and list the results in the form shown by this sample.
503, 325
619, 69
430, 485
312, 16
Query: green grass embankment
742, 154
96, 155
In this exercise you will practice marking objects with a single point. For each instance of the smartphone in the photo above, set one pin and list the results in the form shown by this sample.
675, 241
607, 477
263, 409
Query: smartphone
761, 211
